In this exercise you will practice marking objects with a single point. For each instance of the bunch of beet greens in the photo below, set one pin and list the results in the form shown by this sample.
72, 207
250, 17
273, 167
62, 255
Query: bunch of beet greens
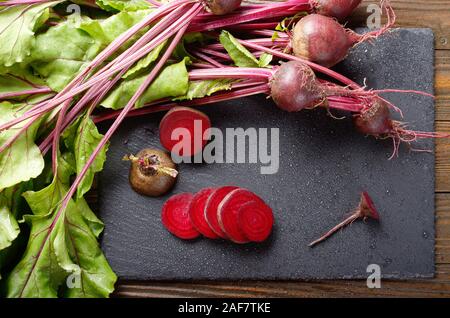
136, 57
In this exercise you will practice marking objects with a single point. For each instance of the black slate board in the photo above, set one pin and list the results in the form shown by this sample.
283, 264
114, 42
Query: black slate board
324, 165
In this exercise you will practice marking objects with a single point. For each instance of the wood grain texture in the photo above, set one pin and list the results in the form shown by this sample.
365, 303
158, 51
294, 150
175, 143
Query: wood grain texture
419, 13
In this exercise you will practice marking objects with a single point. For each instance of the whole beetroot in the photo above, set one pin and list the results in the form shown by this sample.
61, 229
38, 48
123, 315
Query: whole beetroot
339, 9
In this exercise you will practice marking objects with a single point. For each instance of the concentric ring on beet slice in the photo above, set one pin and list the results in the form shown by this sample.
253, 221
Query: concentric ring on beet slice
212, 207
228, 213
255, 219
197, 213
175, 216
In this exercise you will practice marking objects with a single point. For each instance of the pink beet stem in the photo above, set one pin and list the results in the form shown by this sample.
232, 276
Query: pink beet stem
267, 11
232, 73
207, 59
35, 91
344, 223
223, 96
403, 91
58, 127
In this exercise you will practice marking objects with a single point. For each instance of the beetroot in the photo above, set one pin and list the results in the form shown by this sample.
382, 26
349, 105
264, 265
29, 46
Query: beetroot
229, 210
184, 118
375, 121
152, 172
340, 9
212, 208
365, 210
221, 7
197, 213
294, 87
175, 216
255, 219
323, 40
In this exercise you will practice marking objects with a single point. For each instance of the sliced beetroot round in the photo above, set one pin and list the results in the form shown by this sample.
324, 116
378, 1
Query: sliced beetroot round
197, 213
212, 208
228, 213
175, 216
174, 126
255, 219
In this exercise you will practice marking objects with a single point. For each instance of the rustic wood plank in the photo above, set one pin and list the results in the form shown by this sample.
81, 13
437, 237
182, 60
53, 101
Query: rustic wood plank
442, 158
442, 84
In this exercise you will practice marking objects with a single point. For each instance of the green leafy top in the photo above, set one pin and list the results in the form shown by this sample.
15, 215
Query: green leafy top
240, 55
173, 81
27, 160
18, 25
123, 5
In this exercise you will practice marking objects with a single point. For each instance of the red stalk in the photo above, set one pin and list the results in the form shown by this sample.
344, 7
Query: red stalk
223, 96
35, 91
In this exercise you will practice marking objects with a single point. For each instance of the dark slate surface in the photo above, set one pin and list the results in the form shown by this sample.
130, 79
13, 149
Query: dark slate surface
324, 165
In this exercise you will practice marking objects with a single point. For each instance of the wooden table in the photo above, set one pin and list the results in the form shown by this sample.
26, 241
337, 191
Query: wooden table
411, 13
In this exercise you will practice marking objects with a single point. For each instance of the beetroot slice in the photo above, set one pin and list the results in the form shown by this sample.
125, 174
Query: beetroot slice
175, 216
228, 213
255, 219
211, 209
197, 213
185, 118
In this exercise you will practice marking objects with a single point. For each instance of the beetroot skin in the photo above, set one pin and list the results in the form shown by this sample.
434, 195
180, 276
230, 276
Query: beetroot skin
221, 7
322, 40
294, 87
339, 9
375, 121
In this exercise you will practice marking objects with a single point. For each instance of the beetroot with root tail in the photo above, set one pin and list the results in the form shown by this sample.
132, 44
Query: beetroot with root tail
324, 41
221, 7
294, 87
375, 121
339, 9
366, 210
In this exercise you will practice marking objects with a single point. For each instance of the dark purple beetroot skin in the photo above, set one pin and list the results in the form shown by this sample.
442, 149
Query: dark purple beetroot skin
375, 121
294, 87
221, 7
321, 40
339, 9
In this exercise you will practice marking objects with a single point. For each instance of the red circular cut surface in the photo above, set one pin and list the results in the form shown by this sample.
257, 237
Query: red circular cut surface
211, 210
255, 219
228, 213
175, 216
197, 213
188, 126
